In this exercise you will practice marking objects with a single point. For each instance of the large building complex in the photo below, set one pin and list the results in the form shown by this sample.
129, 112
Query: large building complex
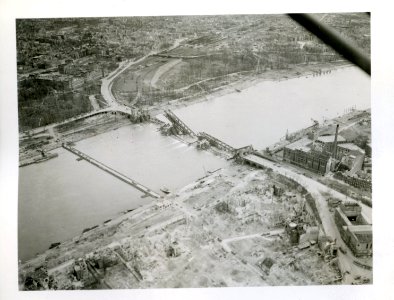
325, 153
302, 154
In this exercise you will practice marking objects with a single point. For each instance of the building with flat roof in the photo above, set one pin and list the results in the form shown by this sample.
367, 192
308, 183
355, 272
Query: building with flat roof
302, 154
325, 153
325, 143
355, 230
349, 149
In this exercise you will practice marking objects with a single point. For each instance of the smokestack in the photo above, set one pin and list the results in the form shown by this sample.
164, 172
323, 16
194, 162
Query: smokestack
334, 151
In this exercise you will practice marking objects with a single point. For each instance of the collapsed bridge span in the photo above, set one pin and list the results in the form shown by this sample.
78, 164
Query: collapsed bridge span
178, 123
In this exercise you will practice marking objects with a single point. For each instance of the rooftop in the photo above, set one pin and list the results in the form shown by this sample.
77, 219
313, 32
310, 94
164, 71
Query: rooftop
330, 138
301, 144
360, 229
351, 146
350, 203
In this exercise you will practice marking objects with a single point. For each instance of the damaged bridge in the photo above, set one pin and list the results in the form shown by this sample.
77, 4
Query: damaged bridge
178, 123
213, 141
224, 146
113, 172
216, 142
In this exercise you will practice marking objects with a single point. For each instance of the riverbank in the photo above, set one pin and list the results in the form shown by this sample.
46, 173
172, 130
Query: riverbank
31, 146
249, 81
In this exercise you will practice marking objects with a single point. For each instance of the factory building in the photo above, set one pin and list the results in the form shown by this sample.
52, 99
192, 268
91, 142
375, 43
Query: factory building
302, 154
325, 153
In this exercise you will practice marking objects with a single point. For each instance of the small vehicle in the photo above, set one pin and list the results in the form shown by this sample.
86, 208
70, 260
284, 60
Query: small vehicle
165, 190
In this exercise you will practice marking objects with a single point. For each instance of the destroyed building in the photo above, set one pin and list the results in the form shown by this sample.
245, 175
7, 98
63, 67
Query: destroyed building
293, 232
350, 156
326, 143
328, 247
302, 154
355, 230
325, 153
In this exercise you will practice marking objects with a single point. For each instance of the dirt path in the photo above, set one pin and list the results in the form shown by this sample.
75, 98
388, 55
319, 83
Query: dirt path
94, 102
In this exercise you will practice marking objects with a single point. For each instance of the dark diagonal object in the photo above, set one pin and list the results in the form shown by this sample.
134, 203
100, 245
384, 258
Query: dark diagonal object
334, 39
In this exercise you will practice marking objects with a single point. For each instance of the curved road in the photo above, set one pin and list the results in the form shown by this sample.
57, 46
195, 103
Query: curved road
106, 85
107, 82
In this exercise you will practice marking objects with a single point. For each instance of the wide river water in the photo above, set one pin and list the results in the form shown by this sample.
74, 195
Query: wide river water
261, 114
61, 197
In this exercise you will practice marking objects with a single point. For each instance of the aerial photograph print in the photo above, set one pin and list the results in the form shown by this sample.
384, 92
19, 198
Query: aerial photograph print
194, 151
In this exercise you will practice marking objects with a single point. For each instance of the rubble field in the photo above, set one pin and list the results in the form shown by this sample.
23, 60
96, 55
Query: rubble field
226, 229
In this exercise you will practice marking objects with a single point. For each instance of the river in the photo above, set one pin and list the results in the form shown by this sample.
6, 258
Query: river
261, 114
61, 197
